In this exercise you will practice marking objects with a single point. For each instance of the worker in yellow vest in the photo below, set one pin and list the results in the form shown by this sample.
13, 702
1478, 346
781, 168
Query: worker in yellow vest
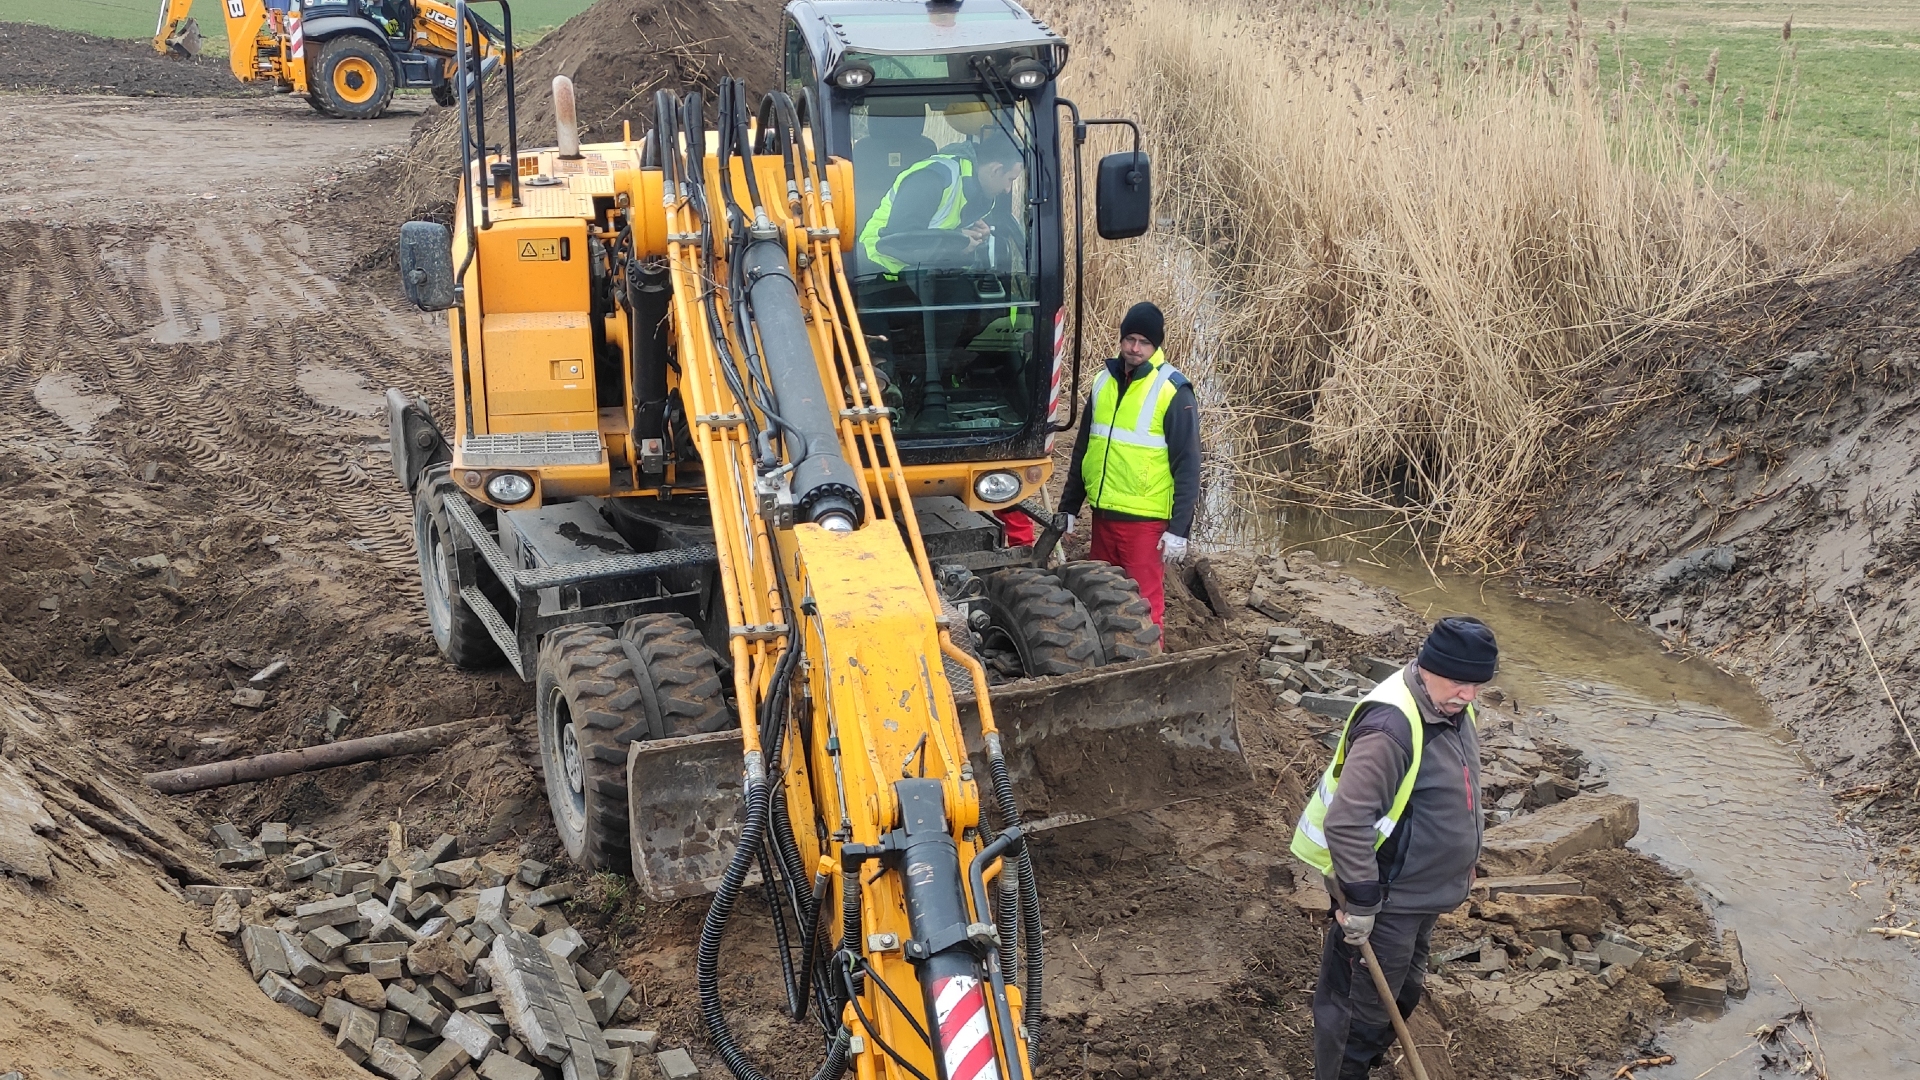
1395, 827
1138, 458
952, 210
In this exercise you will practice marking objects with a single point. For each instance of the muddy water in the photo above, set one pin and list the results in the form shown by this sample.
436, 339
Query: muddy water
1723, 793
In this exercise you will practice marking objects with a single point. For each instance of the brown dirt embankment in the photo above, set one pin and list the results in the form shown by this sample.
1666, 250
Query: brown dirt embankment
42, 58
1773, 487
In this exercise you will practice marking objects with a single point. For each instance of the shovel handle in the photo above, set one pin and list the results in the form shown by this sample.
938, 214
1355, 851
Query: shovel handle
1393, 1010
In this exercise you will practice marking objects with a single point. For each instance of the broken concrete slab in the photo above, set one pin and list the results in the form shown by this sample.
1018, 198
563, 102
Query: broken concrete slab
1737, 964
335, 911
1568, 914
1537, 884
209, 895
1613, 952
1697, 988
243, 856
1539, 842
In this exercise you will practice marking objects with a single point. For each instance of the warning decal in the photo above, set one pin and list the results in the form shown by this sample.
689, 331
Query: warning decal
540, 250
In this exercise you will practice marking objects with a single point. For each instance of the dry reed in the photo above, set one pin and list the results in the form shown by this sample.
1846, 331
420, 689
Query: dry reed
1403, 265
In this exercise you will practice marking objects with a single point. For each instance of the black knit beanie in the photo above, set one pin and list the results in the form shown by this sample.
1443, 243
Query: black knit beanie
1460, 648
1145, 319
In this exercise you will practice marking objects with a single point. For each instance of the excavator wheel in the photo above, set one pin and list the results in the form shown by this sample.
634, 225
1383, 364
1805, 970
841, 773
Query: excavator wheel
352, 78
1120, 614
1044, 622
457, 629
599, 690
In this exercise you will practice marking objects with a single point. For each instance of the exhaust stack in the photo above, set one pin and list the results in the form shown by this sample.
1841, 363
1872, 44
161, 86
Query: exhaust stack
566, 117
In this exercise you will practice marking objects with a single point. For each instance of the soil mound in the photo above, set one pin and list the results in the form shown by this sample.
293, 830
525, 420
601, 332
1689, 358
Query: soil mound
1771, 489
34, 57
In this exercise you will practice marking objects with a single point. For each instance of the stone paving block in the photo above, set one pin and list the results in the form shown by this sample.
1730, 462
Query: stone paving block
461, 909
443, 849
227, 834
387, 970
533, 873
1539, 884
551, 894
208, 895
273, 837
476, 1038
417, 1005
1568, 914
333, 911
261, 945
302, 967
425, 906
470, 950
553, 919
524, 919
359, 1030
391, 1060
498, 1066
622, 1064
242, 856
597, 1005
530, 995
1663, 974
446, 1059
364, 954
302, 869
1588, 962
227, 919
276, 986
1612, 974
490, 909
1699, 988
479, 1003
325, 943
565, 944
1546, 959
677, 1064
393, 1024
641, 1041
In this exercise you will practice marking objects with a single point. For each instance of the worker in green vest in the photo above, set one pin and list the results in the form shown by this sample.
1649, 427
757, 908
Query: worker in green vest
1138, 459
950, 211
1395, 827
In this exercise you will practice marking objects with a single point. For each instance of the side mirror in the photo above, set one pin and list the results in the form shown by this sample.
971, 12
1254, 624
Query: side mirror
426, 264
1123, 196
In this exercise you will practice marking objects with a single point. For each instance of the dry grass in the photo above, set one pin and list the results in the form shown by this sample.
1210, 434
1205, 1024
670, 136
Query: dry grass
1404, 266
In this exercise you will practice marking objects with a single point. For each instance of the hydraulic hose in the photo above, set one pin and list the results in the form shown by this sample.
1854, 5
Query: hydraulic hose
1029, 903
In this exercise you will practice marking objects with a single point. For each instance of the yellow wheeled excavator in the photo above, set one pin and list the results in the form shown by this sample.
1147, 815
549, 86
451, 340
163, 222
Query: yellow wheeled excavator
733, 491
347, 57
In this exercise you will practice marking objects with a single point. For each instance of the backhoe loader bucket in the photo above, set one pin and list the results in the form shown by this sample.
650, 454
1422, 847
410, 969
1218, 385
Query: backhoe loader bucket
685, 809
186, 40
1117, 739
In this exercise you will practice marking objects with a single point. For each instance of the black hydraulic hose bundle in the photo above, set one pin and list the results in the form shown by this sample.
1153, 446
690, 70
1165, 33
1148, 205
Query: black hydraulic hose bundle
1029, 902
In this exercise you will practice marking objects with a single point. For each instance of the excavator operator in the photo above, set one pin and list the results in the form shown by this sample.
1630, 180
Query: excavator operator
951, 211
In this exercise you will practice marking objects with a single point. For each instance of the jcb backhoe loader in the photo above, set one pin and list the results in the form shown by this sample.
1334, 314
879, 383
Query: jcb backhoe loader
346, 56
720, 483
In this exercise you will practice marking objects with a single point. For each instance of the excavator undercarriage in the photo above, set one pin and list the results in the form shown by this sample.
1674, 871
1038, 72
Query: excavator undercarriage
740, 502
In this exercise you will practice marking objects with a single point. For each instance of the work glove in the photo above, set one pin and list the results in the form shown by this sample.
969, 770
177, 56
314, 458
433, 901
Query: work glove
1172, 548
1357, 928
1067, 529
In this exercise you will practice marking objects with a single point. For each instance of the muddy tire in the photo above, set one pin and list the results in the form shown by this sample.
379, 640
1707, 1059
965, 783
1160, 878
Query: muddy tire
352, 78
1119, 613
1045, 623
457, 629
592, 701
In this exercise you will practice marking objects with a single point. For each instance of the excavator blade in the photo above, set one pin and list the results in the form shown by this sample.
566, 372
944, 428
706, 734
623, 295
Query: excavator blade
685, 809
1117, 739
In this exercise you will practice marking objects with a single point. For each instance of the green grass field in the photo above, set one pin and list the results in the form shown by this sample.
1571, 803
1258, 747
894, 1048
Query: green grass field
1838, 102
136, 18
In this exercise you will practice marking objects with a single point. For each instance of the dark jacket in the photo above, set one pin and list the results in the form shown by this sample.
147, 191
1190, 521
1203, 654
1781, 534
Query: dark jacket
1182, 427
1426, 866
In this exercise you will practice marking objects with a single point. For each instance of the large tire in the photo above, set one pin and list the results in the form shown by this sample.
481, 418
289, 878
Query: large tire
1045, 623
1120, 614
592, 701
457, 629
351, 78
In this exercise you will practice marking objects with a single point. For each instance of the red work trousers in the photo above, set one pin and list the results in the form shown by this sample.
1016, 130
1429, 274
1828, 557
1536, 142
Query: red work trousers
1020, 530
1134, 546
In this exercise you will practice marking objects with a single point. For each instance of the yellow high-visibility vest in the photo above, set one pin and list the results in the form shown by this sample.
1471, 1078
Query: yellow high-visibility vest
945, 216
1309, 841
1126, 467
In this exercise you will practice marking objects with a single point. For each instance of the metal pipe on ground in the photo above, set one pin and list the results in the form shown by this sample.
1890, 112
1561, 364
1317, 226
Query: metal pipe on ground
314, 758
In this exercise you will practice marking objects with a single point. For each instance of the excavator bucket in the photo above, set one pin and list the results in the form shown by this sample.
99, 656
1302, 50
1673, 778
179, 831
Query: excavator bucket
1117, 739
685, 810
185, 41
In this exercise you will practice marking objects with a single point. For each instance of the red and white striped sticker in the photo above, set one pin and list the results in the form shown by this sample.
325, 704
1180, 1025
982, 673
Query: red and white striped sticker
1059, 346
966, 1039
297, 39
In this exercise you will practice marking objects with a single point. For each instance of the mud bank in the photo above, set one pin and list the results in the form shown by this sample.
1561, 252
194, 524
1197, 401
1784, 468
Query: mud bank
43, 59
1765, 516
